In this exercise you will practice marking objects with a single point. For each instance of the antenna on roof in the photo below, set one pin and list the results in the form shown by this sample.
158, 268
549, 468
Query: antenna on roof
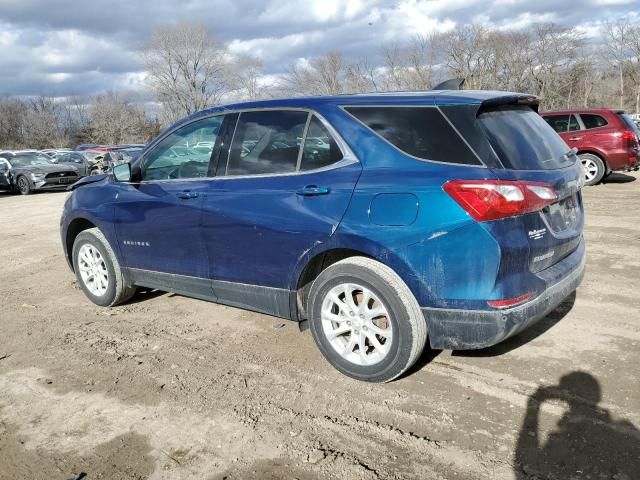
451, 84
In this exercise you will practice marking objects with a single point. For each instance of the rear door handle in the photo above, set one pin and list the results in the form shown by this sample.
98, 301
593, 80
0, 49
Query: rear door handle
575, 139
187, 195
312, 190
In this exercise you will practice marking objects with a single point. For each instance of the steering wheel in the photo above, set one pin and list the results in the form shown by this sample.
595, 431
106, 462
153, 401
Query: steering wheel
191, 169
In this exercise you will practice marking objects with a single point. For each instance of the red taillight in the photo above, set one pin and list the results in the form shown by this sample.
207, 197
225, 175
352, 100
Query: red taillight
493, 199
629, 136
510, 302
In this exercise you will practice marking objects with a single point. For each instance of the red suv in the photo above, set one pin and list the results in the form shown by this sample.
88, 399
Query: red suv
606, 140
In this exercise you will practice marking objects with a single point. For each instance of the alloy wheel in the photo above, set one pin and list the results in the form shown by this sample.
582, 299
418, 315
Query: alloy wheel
93, 270
357, 324
23, 185
590, 169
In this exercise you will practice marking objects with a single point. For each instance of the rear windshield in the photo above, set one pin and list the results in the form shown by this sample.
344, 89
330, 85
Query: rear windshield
523, 140
630, 123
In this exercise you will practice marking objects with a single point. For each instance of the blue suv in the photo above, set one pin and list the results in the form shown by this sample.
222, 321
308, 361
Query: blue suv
382, 220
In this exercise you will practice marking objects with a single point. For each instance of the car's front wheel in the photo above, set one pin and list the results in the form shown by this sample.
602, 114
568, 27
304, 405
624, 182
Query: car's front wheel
98, 271
593, 167
24, 185
365, 320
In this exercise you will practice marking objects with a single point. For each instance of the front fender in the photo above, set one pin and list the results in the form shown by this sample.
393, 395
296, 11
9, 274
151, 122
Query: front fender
93, 204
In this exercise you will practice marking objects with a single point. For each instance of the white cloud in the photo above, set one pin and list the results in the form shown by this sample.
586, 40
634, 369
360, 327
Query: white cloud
88, 47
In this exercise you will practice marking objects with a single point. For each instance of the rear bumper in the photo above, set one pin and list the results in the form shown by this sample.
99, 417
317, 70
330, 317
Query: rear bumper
473, 329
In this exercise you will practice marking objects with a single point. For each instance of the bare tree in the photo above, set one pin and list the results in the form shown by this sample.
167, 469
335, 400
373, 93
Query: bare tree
633, 63
244, 77
325, 75
12, 113
617, 50
553, 52
467, 54
114, 119
362, 77
186, 68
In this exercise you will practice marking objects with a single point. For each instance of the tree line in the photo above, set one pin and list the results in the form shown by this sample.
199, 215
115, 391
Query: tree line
49, 122
188, 69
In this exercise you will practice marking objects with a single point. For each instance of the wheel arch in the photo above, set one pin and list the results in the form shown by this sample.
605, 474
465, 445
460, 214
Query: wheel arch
317, 260
595, 152
76, 226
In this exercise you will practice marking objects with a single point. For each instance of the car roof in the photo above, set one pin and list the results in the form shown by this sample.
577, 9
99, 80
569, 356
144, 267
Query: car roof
582, 110
408, 98
436, 97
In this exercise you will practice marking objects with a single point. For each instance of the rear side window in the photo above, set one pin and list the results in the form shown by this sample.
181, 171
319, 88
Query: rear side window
592, 121
266, 142
523, 140
563, 123
418, 131
320, 149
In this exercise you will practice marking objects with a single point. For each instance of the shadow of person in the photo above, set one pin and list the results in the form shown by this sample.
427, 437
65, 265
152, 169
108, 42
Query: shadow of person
587, 443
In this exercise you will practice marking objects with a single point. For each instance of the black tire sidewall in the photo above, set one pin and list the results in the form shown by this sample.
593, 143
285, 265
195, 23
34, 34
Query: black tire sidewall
602, 169
402, 335
87, 238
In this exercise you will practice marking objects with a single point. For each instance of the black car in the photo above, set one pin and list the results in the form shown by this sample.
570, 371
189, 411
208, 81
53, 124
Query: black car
30, 171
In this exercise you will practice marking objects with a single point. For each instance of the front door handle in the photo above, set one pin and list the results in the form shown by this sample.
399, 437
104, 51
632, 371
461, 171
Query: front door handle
187, 195
575, 139
312, 190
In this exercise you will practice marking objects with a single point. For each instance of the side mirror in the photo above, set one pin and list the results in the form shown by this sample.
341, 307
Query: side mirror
122, 172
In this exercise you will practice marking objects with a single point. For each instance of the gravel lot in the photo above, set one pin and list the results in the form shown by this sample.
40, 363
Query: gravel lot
168, 387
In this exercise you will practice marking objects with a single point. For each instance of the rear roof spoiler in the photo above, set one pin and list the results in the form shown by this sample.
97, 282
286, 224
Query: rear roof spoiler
529, 100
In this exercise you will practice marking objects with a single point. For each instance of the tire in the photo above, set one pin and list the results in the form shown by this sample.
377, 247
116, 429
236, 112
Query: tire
594, 168
105, 264
403, 325
23, 185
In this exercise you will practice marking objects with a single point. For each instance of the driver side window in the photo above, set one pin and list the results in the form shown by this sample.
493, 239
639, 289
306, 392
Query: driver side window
185, 153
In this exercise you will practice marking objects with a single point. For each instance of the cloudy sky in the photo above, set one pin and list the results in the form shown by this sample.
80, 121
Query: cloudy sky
83, 47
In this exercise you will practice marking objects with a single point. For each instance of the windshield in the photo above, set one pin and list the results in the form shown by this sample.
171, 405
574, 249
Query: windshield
29, 160
73, 157
523, 140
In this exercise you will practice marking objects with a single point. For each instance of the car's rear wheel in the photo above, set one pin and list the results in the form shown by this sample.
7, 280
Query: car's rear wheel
365, 320
97, 269
593, 167
24, 185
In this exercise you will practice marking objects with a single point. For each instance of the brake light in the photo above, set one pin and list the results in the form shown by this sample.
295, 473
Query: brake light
631, 139
629, 136
488, 200
510, 302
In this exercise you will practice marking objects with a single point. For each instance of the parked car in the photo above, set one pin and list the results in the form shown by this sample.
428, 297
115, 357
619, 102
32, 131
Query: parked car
454, 216
54, 152
606, 140
82, 162
27, 172
85, 146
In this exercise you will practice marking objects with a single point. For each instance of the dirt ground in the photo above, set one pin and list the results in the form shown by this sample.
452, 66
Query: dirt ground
167, 387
